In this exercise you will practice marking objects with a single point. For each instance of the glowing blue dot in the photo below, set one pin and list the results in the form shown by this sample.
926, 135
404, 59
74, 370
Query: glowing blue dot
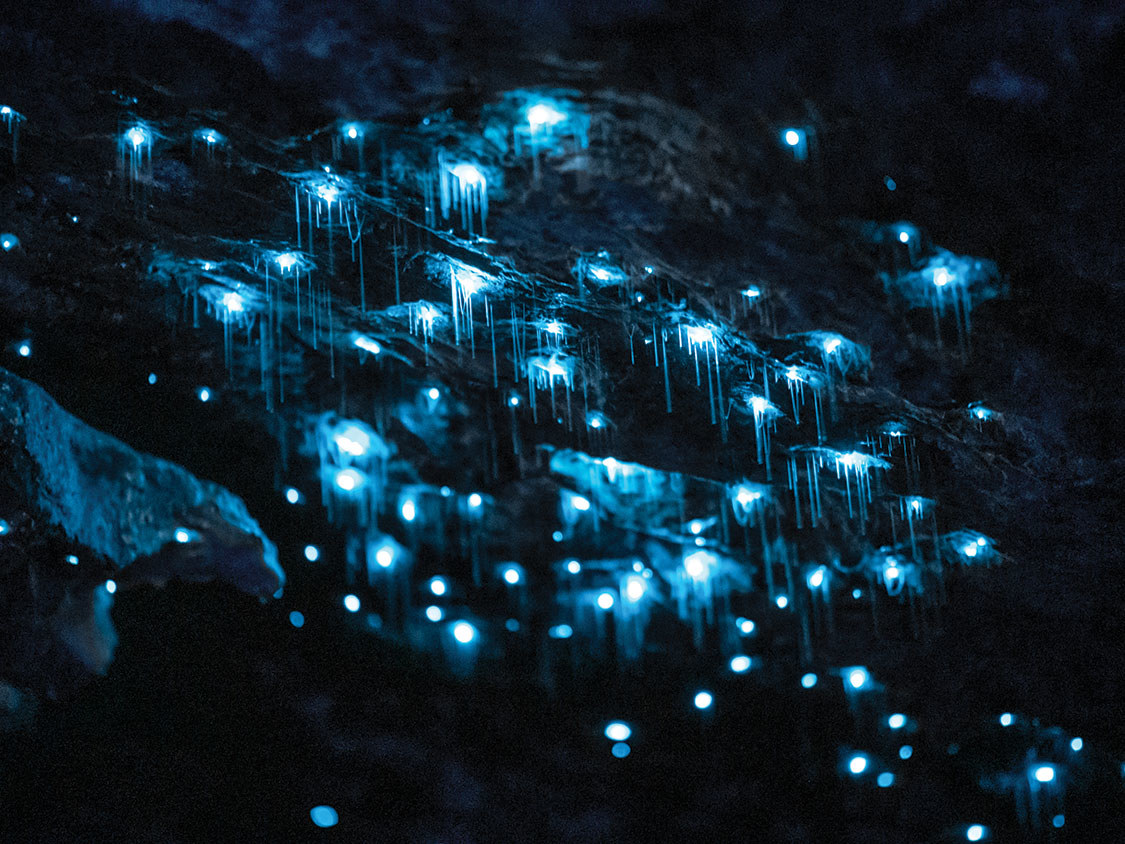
618, 731
605, 600
24, 350
181, 535
434, 614
4, 527
293, 495
438, 585
1076, 744
889, 182
409, 511
620, 750
8, 242
635, 588
324, 816
857, 678
745, 626
511, 575
896, 721
434, 394
475, 500
111, 586
573, 566
580, 503
740, 664
557, 536
512, 625
816, 578
464, 632
203, 394
349, 480
857, 594
297, 619
905, 752
885, 779
857, 764
782, 601
903, 236
152, 378
808, 680
72, 559
513, 401
351, 603
975, 832
1006, 719
312, 553
696, 526
385, 555
1044, 773
703, 700
561, 631
792, 137
1057, 821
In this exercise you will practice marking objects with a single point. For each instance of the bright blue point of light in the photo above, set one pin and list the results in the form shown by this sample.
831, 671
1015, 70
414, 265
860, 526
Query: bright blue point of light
905, 752
889, 182
181, 535
24, 350
351, 603
297, 619
1044, 773
513, 401
904, 236
782, 601
8, 242
703, 700
464, 632
740, 664
475, 500
1076, 744
561, 631
312, 553
152, 378
580, 503
438, 585
605, 600
111, 586
1006, 719
434, 393
72, 559
618, 731
204, 394
635, 588
511, 576
349, 480
745, 626
5, 528
808, 680
1057, 821
512, 625
620, 750
324, 816
816, 577
573, 566
435, 613
293, 495
557, 536
409, 511
857, 593
885, 779
976, 832
896, 721
467, 173
858, 677
792, 137
857, 764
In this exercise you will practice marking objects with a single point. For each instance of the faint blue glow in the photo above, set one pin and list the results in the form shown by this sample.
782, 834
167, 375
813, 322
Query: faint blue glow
635, 588
752, 292
857, 764
72, 559
349, 480
618, 731
1076, 744
8, 242
467, 174
740, 664
976, 832
573, 566
620, 750
438, 585
353, 440
351, 603
286, 260
1057, 821
408, 510
746, 626
512, 625
296, 619
561, 631
831, 345
605, 600
435, 613
905, 752
703, 700
557, 536
889, 182
698, 564
204, 394
542, 114
324, 816
352, 130
885, 779
782, 601
464, 632
111, 586
24, 350
511, 575
896, 721
152, 378
808, 680
137, 136
1006, 719
312, 553
857, 593
1044, 773
5, 528
293, 495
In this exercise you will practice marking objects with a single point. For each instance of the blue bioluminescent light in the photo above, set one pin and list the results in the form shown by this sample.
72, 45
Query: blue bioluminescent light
903, 236
297, 619
312, 553
72, 559
896, 721
699, 564
782, 601
605, 600
857, 678
703, 700
513, 400
24, 350
580, 503
352, 130
351, 603
475, 500
975, 832
635, 588
203, 394
365, 343
464, 632
573, 566
467, 174
620, 750
745, 626
286, 261
439, 585
817, 577
137, 136
151, 378
111, 586
435, 613
1076, 744
1006, 719
618, 731
885, 779
5, 528
541, 115
557, 536
408, 510
1044, 773
740, 664
511, 575
857, 764
1058, 821
324, 816
349, 480
352, 440
385, 555
857, 593
905, 752
808, 680
561, 631
889, 182
293, 495
8, 242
